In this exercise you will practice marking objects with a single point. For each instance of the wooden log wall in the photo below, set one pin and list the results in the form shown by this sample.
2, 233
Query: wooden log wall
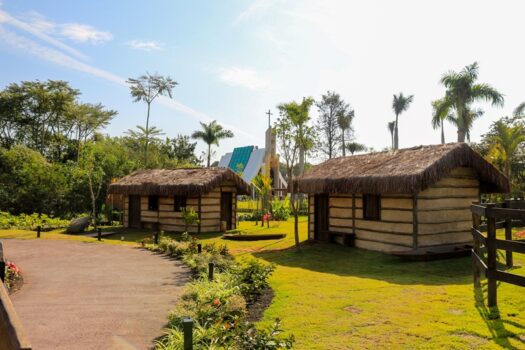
170, 220
125, 217
438, 216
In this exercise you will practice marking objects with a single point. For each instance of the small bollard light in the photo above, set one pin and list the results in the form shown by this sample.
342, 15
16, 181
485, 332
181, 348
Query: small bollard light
156, 238
38, 229
187, 327
210, 271
199, 248
99, 236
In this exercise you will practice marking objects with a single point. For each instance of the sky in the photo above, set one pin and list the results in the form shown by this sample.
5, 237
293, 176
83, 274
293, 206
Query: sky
235, 60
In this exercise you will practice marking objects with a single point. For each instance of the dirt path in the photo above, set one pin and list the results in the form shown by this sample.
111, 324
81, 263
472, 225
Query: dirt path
93, 296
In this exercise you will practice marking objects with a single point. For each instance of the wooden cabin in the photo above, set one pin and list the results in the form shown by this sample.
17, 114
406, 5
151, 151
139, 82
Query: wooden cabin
410, 200
155, 198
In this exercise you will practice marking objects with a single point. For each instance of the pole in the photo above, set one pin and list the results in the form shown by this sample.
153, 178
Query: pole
38, 229
99, 235
199, 248
491, 259
210, 271
187, 327
508, 237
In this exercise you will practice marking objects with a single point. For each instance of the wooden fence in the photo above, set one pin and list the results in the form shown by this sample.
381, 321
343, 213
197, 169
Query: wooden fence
496, 216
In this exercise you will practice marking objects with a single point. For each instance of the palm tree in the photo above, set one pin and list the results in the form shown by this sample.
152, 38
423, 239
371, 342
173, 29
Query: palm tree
344, 120
472, 115
211, 134
520, 110
399, 105
439, 115
355, 147
147, 88
391, 128
504, 141
462, 91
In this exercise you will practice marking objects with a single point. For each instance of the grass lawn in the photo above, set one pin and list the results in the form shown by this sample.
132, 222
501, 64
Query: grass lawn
334, 297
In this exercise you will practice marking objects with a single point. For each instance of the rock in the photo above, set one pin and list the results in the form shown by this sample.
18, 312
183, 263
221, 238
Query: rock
78, 225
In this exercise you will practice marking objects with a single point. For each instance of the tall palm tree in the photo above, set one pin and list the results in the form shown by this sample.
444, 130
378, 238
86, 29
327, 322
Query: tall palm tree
211, 134
344, 120
391, 128
439, 115
504, 141
147, 88
520, 110
462, 91
399, 105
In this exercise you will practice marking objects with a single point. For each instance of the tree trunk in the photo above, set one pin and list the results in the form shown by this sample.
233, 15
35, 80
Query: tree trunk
442, 133
93, 202
147, 138
209, 154
293, 204
396, 135
461, 135
343, 140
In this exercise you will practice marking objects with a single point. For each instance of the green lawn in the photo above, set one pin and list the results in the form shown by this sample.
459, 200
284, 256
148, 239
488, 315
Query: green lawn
334, 297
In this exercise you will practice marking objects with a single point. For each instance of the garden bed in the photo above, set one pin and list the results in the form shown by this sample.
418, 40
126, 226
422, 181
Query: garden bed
253, 237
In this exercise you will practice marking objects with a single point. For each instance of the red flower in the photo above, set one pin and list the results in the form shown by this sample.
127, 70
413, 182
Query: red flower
216, 302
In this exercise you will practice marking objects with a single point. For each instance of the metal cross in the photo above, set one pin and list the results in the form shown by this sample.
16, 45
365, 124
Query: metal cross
269, 113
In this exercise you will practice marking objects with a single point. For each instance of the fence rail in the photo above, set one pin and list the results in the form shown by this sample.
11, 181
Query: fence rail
511, 214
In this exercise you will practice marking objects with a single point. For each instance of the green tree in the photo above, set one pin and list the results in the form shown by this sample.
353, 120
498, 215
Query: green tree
391, 127
462, 90
439, 115
211, 134
519, 111
344, 120
400, 104
147, 88
504, 140
330, 108
293, 136
180, 150
262, 184
355, 147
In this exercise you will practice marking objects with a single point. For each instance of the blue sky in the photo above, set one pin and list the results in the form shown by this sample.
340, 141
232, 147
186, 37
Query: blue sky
234, 60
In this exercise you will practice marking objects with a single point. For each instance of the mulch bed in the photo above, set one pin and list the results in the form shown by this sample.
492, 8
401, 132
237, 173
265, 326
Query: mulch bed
257, 307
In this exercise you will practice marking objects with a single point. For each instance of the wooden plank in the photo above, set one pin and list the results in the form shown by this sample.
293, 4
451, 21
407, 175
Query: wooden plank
479, 261
478, 235
353, 212
405, 240
381, 226
397, 215
504, 213
477, 209
340, 202
458, 238
506, 277
414, 223
510, 246
448, 192
464, 171
457, 182
444, 227
445, 203
380, 246
445, 215
345, 213
508, 237
491, 260
401, 203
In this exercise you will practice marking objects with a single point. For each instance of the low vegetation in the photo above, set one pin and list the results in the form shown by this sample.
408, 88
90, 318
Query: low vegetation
30, 221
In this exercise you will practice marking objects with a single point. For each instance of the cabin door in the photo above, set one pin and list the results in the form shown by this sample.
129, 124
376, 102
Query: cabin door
321, 217
226, 209
134, 212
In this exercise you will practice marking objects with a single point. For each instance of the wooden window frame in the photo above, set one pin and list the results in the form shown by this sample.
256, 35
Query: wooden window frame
372, 200
153, 203
179, 202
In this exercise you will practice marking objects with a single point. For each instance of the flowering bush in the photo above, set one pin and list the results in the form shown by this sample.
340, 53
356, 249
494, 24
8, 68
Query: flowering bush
12, 275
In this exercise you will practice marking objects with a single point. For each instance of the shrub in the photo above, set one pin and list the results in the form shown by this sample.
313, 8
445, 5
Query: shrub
253, 278
280, 209
12, 275
30, 221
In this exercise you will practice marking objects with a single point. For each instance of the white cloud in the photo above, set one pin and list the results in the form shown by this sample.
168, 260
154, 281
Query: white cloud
247, 78
146, 45
84, 33
78, 32
255, 8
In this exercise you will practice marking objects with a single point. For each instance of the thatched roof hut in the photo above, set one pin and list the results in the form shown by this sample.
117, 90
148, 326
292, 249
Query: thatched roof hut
409, 170
184, 181
414, 200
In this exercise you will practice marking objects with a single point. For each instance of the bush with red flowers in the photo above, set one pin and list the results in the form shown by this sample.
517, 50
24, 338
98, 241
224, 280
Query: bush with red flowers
12, 276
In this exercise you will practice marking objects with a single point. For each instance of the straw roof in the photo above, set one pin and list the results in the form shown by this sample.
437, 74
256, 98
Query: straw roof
169, 182
409, 171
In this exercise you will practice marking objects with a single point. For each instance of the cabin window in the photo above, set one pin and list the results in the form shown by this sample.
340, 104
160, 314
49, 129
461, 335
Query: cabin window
153, 203
371, 207
179, 202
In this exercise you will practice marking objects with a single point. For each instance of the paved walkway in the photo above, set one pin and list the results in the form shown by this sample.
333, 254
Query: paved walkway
93, 296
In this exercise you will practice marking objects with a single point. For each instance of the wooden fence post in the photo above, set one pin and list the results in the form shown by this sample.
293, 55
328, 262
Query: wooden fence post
99, 234
38, 229
476, 220
2, 263
199, 248
210, 271
508, 237
491, 259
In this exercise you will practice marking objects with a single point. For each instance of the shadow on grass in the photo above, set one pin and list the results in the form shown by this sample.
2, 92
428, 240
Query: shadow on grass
495, 324
136, 235
346, 261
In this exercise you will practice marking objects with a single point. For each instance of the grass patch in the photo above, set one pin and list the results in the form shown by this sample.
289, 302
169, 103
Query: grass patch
333, 297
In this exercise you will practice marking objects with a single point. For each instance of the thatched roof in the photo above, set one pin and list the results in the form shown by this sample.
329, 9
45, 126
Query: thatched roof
408, 170
169, 182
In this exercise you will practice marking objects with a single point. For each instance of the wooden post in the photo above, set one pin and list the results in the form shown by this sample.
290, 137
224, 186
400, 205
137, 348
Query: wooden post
476, 220
200, 210
38, 229
187, 327
99, 235
210, 271
353, 214
2, 263
508, 237
491, 259
415, 228
199, 248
